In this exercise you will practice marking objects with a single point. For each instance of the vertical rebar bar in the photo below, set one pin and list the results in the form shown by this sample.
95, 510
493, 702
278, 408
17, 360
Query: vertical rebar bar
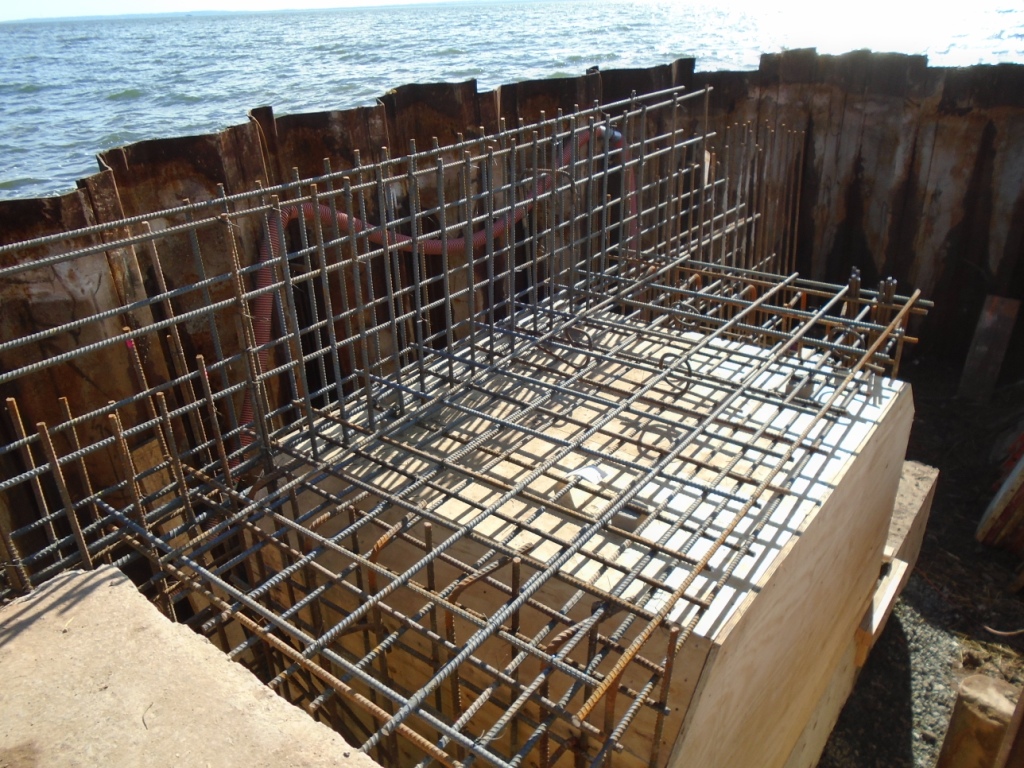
69, 506
36, 483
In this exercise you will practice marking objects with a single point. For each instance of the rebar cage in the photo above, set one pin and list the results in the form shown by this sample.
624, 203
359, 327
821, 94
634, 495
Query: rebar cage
454, 450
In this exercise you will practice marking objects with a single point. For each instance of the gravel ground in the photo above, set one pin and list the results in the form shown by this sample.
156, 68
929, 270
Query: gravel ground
938, 633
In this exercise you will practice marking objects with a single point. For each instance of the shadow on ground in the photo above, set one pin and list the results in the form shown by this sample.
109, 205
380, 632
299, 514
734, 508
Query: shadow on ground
886, 678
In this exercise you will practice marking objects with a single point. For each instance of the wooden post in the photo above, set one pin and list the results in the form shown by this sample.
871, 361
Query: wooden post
984, 706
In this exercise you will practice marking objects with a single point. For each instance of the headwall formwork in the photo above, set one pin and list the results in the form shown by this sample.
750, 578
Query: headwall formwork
526, 445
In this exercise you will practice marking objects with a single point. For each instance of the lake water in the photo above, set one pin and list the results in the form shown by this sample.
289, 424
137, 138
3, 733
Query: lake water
72, 88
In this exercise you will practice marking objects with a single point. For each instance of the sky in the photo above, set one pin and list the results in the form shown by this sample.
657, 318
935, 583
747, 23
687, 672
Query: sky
13, 10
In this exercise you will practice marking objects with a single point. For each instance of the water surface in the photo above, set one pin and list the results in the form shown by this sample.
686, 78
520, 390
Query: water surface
72, 88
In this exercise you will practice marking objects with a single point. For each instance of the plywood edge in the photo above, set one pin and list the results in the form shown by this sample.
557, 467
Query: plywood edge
879, 608
807, 752
690, 661
988, 347
993, 525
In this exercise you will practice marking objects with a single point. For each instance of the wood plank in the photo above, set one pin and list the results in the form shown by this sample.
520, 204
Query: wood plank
879, 609
1011, 751
913, 507
906, 534
999, 514
988, 348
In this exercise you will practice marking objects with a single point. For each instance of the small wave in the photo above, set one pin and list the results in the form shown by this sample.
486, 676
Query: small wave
128, 94
119, 139
26, 181
32, 87
173, 99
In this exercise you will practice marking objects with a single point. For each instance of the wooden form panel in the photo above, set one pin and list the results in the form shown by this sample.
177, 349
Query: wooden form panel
770, 666
906, 532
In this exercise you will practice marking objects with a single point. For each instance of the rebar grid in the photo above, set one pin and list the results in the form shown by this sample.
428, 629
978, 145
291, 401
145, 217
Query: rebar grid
458, 449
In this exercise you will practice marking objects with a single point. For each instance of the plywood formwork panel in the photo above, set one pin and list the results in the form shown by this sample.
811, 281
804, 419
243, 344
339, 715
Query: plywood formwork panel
906, 531
772, 661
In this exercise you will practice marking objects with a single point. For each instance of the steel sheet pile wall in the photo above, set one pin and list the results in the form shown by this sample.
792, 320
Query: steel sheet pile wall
910, 171
459, 449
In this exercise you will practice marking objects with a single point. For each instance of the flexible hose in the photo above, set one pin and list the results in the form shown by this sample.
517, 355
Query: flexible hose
262, 307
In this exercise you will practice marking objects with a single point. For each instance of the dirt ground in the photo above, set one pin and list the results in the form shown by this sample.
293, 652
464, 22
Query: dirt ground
967, 443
